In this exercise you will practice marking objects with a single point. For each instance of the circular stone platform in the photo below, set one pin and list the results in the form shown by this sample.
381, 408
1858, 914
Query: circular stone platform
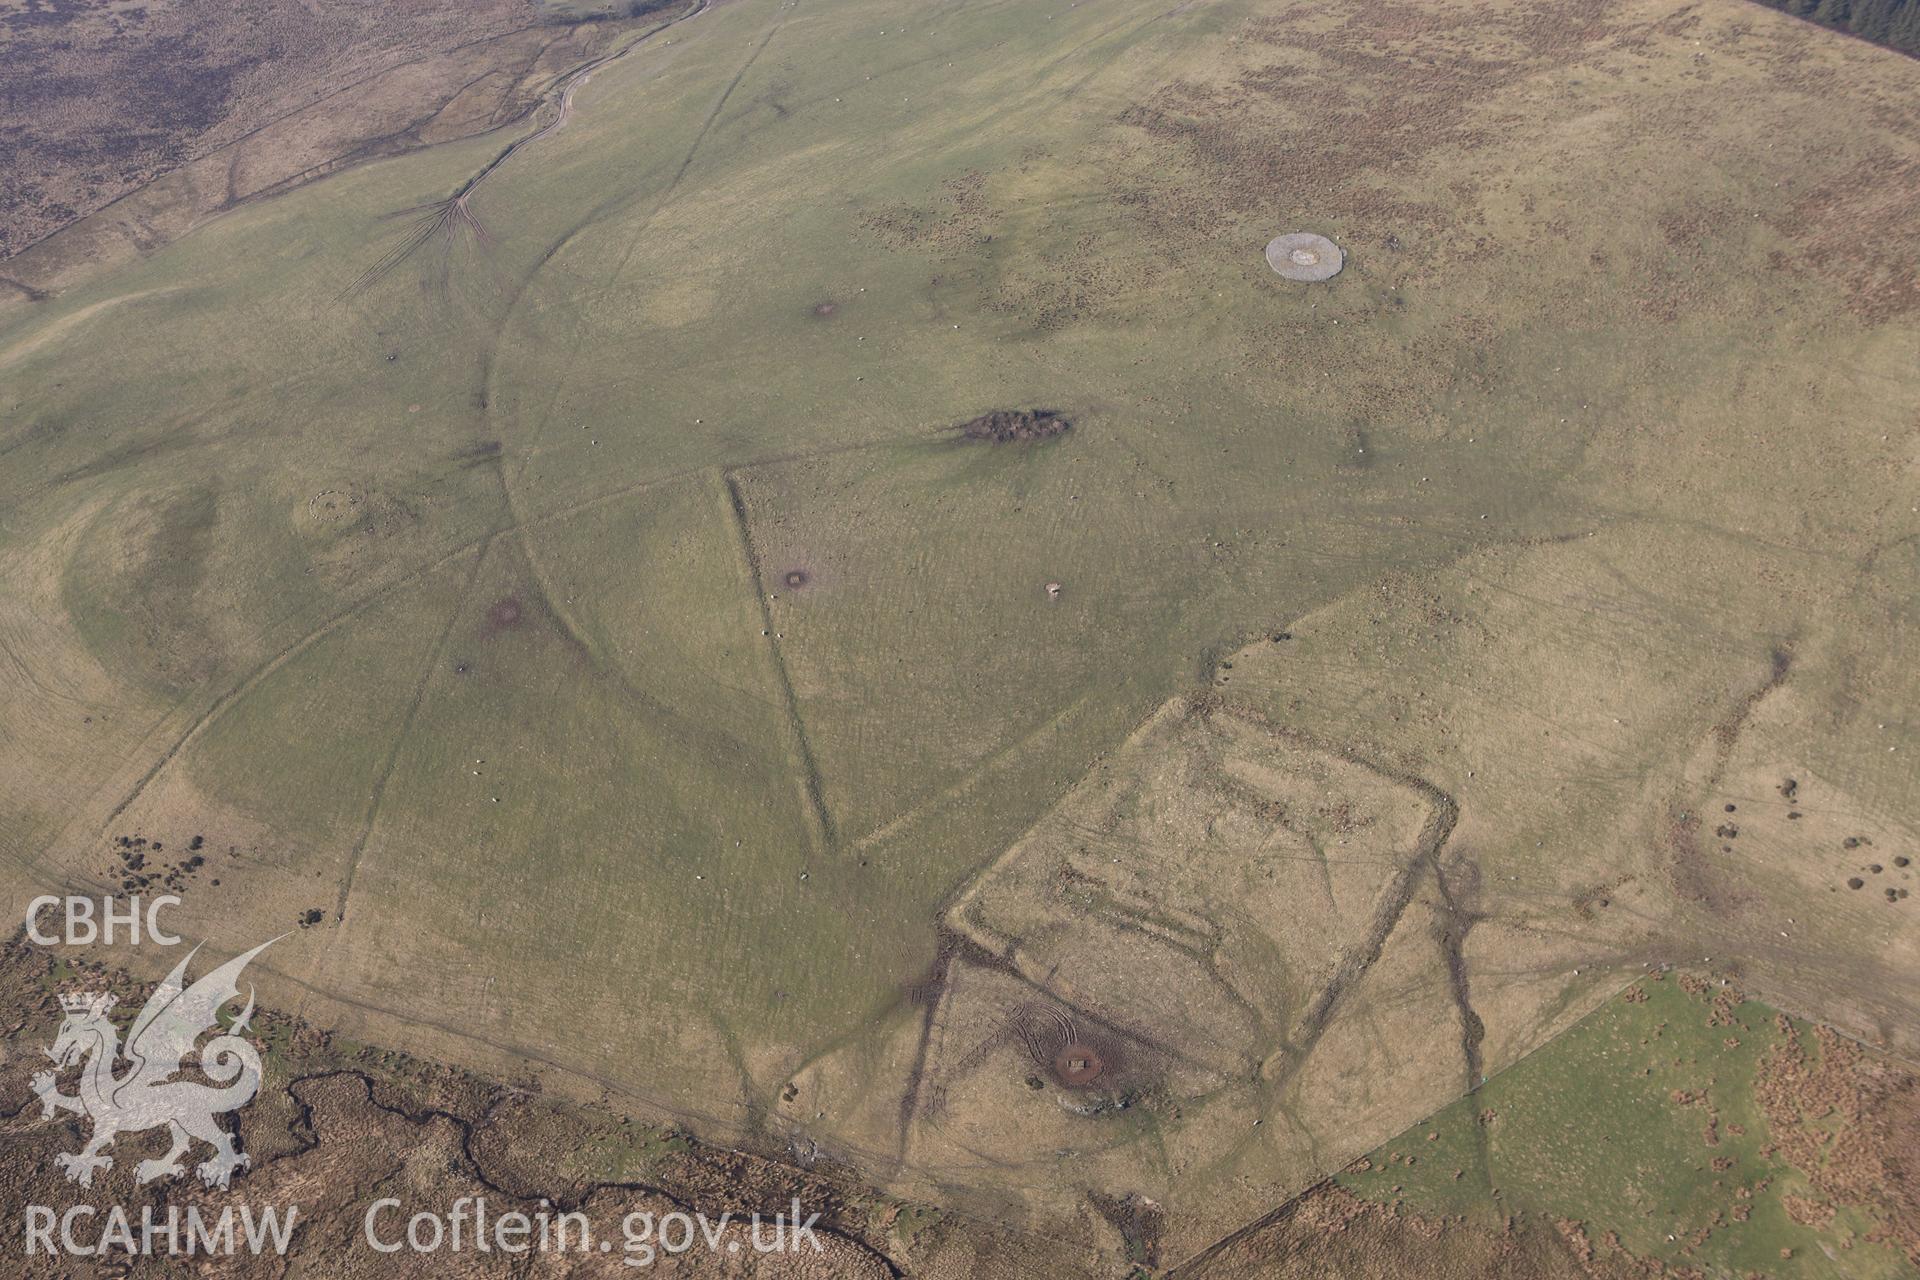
1301, 255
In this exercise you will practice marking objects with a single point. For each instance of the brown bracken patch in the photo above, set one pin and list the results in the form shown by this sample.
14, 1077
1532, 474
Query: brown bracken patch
1860, 1152
504, 614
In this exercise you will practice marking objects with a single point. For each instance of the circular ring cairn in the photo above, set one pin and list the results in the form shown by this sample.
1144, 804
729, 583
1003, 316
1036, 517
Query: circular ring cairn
1301, 255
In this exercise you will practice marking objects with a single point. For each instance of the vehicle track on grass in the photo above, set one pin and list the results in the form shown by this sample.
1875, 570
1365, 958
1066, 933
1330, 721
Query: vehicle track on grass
1456, 921
26, 291
1297, 1046
741, 1121
427, 666
395, 141
565, 376
1355, 963
953, 945
445, 219
754, 1144
1391, 905
1690, 873
457, 212
1123, 30
225, 701
229, 698
489, 357
706, 126
235, 144
1455, 935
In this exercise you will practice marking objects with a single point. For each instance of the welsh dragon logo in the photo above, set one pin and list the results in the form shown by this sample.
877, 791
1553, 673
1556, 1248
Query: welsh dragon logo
146, 1095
